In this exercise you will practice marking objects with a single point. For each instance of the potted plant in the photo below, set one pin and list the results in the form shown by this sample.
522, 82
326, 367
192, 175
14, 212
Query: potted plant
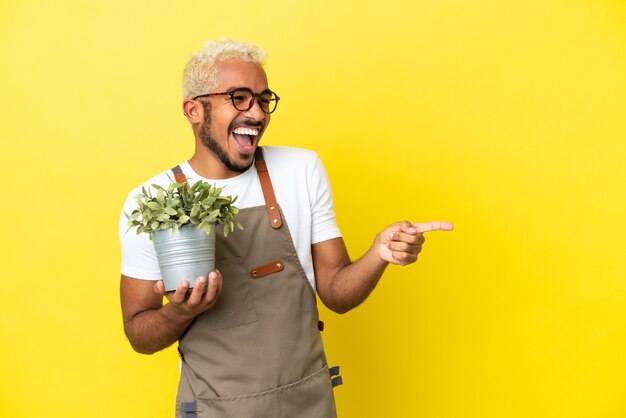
181, 221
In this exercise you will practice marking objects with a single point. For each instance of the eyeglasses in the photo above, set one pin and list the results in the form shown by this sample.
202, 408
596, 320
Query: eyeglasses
243, 99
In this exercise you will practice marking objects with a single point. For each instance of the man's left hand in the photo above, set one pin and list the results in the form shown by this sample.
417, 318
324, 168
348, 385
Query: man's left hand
400, 243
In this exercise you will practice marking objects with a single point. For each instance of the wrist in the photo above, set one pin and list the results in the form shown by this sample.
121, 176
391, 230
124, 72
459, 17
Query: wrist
375, 257
174, 315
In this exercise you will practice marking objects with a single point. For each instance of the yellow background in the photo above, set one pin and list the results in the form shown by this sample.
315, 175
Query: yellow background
506, 118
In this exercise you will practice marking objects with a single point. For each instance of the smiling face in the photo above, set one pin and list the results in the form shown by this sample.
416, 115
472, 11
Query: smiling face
232, 135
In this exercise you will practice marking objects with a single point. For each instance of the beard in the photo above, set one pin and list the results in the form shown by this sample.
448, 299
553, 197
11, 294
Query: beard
219, 151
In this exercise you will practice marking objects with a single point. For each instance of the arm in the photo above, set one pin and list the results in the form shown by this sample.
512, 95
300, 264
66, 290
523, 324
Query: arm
342, 285
152, 326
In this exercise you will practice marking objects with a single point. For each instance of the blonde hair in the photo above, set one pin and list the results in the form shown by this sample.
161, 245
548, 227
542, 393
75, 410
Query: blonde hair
200, 74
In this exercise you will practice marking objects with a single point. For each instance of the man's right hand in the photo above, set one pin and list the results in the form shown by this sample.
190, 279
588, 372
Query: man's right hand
151, 326
188, 303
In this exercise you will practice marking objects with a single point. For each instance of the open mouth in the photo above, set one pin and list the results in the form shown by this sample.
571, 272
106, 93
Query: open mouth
246, 138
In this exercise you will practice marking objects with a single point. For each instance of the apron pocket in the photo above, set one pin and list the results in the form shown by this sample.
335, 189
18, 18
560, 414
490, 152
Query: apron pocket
311, 397
235, 305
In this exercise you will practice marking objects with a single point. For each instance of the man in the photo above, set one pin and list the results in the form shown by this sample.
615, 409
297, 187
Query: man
248, 332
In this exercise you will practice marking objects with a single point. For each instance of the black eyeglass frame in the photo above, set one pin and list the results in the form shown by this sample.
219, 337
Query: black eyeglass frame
255, 97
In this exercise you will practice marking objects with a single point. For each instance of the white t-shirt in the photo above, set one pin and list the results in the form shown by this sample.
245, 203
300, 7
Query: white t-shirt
302, 191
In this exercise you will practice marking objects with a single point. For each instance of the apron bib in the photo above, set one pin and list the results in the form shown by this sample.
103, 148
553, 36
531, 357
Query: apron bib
258, 352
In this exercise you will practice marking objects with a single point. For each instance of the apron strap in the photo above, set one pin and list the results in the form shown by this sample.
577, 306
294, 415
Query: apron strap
268, 191
179, 176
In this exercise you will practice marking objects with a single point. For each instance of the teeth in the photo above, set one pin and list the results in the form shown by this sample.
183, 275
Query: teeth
246, 131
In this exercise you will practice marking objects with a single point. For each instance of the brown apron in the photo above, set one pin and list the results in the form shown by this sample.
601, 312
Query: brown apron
258, 352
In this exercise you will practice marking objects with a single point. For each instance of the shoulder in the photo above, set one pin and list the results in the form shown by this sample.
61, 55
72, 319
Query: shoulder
287, 157
163, 179
270, 151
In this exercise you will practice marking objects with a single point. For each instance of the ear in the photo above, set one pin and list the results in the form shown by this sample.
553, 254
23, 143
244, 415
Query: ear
193, 111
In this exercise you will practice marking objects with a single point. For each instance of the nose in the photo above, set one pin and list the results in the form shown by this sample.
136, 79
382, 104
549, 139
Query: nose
255, 111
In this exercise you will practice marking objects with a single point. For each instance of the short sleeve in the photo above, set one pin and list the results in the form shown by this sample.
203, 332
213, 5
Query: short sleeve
323, 221
138, 257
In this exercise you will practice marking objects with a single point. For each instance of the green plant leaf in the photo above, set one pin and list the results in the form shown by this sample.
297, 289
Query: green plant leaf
154, 205
162, 217
201, 204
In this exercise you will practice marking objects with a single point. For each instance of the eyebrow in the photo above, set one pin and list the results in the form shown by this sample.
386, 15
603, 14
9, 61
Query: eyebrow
266, 90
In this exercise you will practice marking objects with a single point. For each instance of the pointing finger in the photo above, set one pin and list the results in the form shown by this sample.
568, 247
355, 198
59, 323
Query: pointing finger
433, 226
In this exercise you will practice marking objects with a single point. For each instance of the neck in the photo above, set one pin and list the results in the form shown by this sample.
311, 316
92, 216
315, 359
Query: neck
206, 164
